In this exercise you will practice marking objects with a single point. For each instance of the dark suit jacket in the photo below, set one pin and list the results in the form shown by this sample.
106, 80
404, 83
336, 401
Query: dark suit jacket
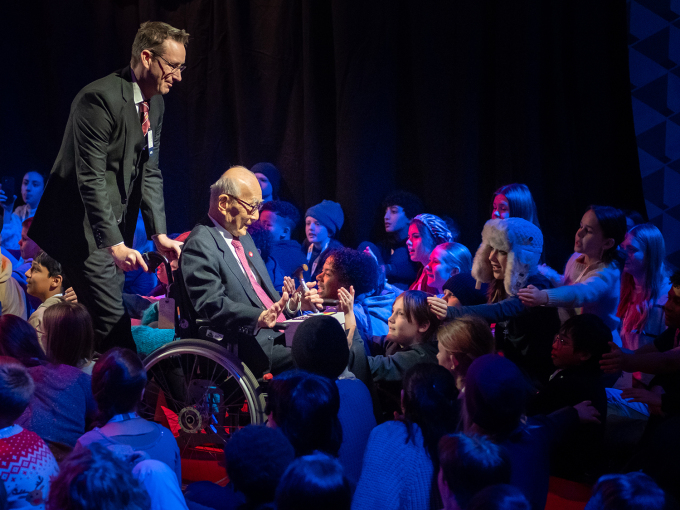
216, 286
102, 175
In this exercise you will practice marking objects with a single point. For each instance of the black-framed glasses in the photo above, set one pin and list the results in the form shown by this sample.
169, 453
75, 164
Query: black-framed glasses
250, 208
175, 67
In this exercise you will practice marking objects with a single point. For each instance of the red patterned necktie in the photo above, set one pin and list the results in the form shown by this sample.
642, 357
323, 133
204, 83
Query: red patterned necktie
266, 300
144, 114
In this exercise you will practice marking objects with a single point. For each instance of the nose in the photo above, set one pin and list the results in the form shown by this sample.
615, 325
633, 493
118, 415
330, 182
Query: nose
495, 214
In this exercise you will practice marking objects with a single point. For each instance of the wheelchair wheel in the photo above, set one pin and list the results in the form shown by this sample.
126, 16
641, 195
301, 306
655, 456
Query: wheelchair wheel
203, 394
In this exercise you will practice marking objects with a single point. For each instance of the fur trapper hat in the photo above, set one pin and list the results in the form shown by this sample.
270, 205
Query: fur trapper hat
524, 243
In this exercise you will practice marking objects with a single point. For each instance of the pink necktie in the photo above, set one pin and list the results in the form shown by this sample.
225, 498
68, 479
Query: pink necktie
266, 300
144, 114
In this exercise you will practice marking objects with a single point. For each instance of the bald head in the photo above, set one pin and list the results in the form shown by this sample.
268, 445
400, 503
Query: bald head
234, 200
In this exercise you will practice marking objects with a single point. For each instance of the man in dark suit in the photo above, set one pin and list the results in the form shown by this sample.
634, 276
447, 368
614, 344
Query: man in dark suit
225, 277
105, 173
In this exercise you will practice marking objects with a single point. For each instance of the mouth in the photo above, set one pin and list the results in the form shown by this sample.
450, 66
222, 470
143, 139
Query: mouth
495, 269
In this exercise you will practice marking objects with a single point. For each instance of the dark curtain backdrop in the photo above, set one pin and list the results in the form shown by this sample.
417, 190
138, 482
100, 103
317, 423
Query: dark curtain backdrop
352, 99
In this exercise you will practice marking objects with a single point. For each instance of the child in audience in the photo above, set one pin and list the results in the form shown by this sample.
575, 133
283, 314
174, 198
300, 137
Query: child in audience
495, 401
62, 405
392, 255
577, 351
314, 482
425, 232
26, 463
322, 222
44, 281
32, 187
305, 407
69, 335
256, 458
461, 290
644, 289
96, 478
269, 178
514, 201
410, 340
661, 357
461, 342
345, 268
320, 347
468, 464
632, 491
592, 276
446, 260
285, 255
401, 461
118, 382
507, 260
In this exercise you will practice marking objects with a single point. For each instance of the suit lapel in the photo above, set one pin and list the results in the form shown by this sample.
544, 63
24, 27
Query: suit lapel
133, 126
258, 264
232, 263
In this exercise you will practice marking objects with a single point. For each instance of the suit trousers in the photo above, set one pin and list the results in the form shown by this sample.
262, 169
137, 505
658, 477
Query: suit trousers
98, 283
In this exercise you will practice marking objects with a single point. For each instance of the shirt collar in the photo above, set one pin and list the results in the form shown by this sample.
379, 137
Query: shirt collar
225, 233
136, 90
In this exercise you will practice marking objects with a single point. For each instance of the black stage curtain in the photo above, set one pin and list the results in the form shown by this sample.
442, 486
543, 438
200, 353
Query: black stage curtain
354, 98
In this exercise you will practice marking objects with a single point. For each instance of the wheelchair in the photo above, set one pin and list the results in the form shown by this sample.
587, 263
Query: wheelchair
204, 385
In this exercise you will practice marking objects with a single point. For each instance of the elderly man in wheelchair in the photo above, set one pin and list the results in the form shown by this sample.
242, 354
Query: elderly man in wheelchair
225, 310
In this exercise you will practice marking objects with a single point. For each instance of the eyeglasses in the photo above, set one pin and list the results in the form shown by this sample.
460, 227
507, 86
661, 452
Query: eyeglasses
174, 67
250, 208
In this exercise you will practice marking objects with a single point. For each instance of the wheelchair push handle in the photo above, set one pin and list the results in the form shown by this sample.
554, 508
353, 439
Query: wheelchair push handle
154, 259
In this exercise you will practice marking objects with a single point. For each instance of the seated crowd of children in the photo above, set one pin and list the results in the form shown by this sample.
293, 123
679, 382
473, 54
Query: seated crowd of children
457, 382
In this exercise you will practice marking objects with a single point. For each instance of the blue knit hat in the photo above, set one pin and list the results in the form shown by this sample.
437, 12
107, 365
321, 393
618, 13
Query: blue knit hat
329, 214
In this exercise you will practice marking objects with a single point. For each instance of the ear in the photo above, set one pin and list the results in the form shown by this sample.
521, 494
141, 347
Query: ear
608, 243
424, 327
223, 203
56, 282
454, 271
286, 230
583, 356
452, 360
145, 57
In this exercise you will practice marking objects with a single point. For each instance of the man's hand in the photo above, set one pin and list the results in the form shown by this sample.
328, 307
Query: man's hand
169, 247
438, 306
70, 295
614, 361
268, 317
531, 296
587, 413
126, 258
652, 399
